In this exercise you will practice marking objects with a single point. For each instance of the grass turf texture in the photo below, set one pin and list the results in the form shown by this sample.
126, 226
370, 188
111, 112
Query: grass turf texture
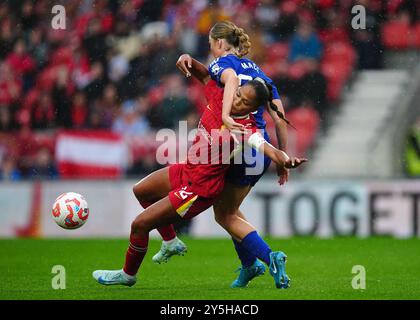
319, 269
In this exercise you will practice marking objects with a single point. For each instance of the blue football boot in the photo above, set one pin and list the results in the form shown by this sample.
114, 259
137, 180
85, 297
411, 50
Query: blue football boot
248, 273
278, 269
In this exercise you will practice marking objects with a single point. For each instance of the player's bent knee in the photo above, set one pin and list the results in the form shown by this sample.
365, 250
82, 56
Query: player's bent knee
139, 225
140, 191
224, 220
224, 209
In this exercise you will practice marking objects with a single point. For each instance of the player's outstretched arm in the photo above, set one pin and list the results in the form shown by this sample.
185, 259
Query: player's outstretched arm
280, 157
189, 66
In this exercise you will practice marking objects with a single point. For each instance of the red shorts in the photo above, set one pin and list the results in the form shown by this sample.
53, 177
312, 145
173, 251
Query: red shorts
186, 203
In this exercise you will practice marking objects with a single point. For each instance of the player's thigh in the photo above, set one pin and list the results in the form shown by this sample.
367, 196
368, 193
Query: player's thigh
230, 199
159, 214
153, 187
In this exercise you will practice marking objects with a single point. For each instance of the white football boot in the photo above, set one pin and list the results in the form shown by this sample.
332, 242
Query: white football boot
168, 249
113, 277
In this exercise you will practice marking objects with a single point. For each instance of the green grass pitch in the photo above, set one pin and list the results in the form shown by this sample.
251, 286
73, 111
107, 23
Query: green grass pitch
319, 269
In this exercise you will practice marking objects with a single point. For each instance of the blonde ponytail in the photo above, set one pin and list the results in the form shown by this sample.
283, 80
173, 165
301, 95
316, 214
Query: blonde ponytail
233, 35
244, 43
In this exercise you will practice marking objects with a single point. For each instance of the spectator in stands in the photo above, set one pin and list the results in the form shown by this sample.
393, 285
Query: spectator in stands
43, 112
244, 18
305, 43
138, 78
118, 66
126, 50
38, 47
61, 98
207, 18
145, 165
267, 16
150, 10
7, 121
29, 17
10, 87
43, 165
174, 107
132, 121
288, 21
367, 41
410, 8
79, 111
22, 64
412, 151
9, 170
287, 86
313, 87
162, 56
97, 82
7, 36
95, 42
181, 18
108, 105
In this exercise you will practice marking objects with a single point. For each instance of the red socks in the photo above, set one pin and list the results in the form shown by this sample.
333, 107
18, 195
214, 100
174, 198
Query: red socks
167, 232
135, 253
138, 245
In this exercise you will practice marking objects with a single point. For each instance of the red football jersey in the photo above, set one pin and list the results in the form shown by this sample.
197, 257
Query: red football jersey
209, 156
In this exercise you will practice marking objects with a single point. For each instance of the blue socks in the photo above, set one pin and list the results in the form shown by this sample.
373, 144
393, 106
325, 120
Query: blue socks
256, 247
247, 259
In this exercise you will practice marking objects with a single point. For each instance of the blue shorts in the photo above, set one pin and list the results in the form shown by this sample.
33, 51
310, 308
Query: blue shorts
251, 168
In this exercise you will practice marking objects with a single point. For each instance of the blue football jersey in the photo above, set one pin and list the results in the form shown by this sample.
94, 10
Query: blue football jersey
246, 70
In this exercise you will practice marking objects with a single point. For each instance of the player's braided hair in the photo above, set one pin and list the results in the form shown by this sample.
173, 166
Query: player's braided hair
264, 93
233, 35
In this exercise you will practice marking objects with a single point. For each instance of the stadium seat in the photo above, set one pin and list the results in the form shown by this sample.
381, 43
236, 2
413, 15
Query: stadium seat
156, 95
334, 35
63, 55
30, 98
46, 78
277, 52
336, 72
416, 34
269, 69
306, 121
297, 70
396, 35
340, 52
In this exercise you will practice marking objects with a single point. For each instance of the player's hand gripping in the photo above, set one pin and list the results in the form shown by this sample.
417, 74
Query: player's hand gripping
184, 63
233, 126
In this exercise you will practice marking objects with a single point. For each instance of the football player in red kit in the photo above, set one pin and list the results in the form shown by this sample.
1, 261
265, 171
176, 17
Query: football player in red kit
184, 190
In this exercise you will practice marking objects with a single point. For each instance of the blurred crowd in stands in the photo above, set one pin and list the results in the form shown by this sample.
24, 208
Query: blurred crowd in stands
113, 67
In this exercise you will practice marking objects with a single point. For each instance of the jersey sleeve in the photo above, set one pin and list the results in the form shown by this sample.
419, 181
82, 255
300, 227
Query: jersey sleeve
217, 67
275, 92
